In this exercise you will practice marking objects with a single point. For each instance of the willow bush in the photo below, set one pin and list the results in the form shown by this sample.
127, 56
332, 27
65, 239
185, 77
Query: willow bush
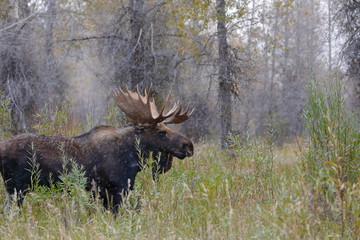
332, 162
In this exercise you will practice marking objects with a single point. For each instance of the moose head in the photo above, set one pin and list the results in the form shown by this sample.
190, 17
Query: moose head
150, 124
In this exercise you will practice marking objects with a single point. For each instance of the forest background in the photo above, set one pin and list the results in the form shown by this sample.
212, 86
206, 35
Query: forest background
243, 65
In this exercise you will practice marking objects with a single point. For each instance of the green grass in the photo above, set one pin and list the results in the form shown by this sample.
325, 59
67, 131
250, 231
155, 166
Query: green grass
253, 190
213, 195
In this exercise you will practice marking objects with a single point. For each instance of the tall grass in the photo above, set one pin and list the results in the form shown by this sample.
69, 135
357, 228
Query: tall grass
333, 134
214, 195
332, 162
253, 190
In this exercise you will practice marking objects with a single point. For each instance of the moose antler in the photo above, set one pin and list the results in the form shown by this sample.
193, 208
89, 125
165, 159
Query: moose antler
141, 109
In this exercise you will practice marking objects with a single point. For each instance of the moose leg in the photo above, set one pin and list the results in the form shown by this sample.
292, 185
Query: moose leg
117, 185
112, 200
18, 196
16, 184
113, 196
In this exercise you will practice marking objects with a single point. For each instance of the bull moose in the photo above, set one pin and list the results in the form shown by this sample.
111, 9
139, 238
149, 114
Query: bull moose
109, 155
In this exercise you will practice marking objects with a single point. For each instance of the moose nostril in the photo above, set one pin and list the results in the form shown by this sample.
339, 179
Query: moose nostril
189, 148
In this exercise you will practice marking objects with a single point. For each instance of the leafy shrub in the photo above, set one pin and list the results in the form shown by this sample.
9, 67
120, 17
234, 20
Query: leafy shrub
333, 134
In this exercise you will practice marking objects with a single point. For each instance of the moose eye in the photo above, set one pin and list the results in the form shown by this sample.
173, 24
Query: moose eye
162, 134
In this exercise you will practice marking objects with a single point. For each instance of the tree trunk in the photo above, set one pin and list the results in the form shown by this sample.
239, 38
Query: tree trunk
329, 37
137, 51
13, 10
49, 57
272, 111
24, 8
348, 15
263, 98
251, 27
288, 78
224, 74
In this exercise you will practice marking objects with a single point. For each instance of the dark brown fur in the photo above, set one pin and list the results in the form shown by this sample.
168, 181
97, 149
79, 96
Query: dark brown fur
108, 155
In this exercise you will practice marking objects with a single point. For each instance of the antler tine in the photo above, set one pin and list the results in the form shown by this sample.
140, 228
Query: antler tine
118, 95
179, 117
144, 99
127, 89
148, 91
187, 110
165, 103
174, 109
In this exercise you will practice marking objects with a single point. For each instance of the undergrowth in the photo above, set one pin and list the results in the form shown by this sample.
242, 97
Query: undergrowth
6, 125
